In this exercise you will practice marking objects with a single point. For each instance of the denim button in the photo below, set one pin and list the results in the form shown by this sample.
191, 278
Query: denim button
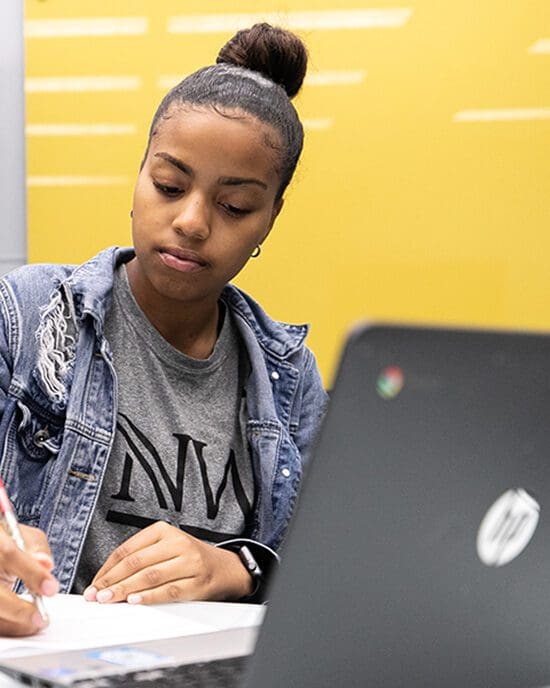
40, 437
275, 375
286, 472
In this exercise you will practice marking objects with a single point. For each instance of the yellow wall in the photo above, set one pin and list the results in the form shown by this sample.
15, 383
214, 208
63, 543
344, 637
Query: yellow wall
424, 189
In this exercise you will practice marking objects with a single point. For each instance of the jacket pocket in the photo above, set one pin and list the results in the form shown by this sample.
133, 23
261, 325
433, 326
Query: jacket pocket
39, 437
33, 442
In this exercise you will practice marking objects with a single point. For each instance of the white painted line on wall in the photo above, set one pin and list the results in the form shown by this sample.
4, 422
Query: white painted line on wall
317, 124
81, 84
322, 19
335, 78
58, 129
168, 81
93, 26
541, 47
503, 115
67, 180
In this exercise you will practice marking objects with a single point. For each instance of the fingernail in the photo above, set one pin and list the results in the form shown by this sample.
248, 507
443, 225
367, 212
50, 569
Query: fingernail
104, 595
90, 594
49, 587
38, 621
43, 558
134, 598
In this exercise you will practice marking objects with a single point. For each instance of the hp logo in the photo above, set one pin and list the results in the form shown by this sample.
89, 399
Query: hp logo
507, 527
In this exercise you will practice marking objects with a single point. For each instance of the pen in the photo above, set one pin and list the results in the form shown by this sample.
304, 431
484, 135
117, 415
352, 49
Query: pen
10, 519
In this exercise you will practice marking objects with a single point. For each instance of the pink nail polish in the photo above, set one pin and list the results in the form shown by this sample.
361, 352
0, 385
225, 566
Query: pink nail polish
134, 598
104, 595
43, 558
90, 594
49, 587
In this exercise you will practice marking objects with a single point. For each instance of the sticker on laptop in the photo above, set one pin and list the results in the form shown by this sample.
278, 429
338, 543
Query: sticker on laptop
507, 527
57, 673
128, 656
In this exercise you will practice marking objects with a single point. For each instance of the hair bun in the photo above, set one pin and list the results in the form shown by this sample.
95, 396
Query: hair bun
274, 52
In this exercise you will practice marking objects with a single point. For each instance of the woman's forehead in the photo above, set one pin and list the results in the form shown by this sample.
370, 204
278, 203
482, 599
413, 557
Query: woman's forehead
234, 135
181, 118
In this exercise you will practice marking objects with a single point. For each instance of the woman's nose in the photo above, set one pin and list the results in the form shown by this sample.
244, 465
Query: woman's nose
193, 217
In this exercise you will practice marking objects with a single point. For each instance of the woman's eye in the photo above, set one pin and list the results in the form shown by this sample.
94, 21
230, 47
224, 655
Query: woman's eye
167, 190
234, 210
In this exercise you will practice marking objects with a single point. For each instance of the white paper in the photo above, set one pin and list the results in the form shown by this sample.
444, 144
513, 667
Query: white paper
221, 615
77, 624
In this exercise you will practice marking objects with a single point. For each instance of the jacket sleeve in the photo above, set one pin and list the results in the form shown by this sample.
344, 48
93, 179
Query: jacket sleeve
6, 368
312, 407
7, 328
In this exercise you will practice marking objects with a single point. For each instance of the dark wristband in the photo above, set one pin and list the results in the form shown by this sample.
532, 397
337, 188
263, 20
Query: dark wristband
258, 559
252, 566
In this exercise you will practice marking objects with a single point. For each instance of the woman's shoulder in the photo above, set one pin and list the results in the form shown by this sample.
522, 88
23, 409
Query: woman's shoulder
37, 281
39, 271
34, 279
32, 285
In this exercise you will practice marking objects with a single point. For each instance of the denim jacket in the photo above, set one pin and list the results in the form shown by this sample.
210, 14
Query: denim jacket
58, 401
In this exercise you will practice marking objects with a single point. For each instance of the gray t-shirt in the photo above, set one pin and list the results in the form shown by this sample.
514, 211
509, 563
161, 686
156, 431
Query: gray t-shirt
180, 452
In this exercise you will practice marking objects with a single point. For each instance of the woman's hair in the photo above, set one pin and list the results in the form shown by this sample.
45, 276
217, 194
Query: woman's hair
257, 72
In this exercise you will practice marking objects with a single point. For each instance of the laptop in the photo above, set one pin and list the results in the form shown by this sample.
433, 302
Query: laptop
418, 553
208, 659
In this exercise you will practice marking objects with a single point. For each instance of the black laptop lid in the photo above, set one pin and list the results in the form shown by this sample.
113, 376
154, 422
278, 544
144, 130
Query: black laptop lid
386, 578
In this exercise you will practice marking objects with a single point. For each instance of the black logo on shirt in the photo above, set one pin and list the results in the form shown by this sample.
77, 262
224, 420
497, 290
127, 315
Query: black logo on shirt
169, 489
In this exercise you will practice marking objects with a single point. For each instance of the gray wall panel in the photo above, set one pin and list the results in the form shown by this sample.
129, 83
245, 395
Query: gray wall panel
13, 198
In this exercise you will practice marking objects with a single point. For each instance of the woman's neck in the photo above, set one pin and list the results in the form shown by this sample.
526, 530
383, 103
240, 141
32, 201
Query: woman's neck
190, 327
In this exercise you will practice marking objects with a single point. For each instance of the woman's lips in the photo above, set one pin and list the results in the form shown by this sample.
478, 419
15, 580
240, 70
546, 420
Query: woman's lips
182, 260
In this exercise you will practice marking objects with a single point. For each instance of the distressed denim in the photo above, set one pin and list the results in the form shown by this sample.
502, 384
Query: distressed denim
58, 401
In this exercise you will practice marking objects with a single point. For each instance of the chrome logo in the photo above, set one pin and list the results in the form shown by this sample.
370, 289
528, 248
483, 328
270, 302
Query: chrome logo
390, 382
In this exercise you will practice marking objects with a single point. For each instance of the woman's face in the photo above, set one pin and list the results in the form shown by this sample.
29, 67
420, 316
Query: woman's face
204, 199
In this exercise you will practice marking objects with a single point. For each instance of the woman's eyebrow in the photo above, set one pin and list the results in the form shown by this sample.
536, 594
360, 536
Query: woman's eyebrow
225, 181
237, 181
175, 161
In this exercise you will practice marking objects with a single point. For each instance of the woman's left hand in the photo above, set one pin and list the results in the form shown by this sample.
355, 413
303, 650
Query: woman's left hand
161, 563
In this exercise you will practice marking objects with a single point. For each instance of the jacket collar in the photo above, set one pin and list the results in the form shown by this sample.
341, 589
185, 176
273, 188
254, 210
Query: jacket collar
91, 286
91, 283
277, 338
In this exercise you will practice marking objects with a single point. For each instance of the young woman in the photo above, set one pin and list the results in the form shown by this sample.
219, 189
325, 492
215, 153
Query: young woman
154, 420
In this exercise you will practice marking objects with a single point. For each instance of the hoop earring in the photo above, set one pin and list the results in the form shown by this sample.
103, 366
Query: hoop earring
256, 252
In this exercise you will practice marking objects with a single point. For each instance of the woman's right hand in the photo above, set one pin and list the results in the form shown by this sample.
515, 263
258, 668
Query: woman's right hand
20, 617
